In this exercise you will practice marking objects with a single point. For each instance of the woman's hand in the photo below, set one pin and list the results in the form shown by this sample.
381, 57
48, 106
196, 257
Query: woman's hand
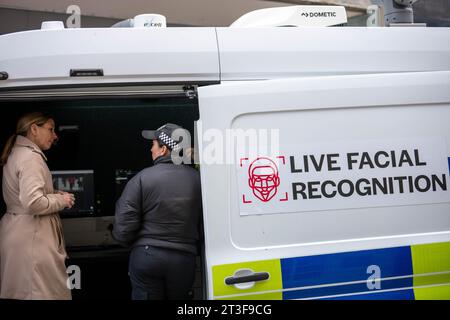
69, 198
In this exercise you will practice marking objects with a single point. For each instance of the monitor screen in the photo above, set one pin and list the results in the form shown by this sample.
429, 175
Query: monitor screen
81, 184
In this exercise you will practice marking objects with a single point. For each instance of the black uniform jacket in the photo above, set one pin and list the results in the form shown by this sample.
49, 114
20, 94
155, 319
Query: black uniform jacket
160, 206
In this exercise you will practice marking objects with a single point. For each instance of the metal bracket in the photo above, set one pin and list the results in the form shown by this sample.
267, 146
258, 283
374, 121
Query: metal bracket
190, 91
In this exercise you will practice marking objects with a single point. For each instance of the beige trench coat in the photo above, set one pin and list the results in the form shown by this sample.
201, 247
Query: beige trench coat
32, 252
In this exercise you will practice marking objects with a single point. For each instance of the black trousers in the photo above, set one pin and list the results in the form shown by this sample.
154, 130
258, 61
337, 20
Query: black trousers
158, 273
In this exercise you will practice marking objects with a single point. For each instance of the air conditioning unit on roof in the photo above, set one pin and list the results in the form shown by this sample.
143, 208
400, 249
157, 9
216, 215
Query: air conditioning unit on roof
294, 16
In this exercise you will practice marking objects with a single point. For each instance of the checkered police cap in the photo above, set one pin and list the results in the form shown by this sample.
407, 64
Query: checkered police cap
164, 135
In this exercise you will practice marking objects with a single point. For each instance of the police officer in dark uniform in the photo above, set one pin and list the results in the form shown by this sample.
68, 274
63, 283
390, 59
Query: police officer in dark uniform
158, 215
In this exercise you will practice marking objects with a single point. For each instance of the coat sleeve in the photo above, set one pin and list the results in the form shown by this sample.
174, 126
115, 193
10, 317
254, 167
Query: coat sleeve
32, 195
128, 216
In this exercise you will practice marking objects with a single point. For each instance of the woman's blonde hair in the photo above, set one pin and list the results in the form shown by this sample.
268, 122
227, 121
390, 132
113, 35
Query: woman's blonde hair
23, 125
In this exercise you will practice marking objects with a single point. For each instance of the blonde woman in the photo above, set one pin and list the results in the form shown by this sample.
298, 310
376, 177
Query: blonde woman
32, 252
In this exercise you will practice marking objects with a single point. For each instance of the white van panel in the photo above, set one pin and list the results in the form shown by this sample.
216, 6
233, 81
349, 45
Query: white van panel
319, 112
275, 53
126, 55
353, 217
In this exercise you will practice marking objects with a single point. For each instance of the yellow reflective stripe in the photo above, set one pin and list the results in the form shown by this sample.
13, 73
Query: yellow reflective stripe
431, 258
275, 282
258, 296
433, 293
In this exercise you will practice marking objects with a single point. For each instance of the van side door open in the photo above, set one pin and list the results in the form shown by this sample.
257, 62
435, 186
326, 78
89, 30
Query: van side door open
327, 187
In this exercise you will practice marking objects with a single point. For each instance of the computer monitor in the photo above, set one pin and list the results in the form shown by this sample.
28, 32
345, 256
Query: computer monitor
81, 184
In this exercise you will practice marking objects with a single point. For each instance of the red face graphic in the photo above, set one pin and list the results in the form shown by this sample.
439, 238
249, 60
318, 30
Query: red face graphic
263, 178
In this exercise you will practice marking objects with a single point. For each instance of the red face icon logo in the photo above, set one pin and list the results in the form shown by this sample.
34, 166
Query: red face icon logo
263, 178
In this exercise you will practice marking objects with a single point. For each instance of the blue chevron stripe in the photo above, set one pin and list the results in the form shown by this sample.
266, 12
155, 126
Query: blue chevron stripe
407, 294
346, 289
345, 267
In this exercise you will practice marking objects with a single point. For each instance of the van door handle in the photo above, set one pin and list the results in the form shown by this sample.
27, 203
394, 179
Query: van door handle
257, 276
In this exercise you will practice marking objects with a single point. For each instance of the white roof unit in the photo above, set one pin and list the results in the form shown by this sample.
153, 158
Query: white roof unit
52, 25
293, 16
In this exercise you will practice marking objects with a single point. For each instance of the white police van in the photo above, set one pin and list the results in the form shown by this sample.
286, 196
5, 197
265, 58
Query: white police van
324, 152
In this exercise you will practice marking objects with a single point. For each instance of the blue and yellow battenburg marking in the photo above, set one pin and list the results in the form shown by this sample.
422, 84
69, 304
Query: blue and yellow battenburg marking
410, 272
